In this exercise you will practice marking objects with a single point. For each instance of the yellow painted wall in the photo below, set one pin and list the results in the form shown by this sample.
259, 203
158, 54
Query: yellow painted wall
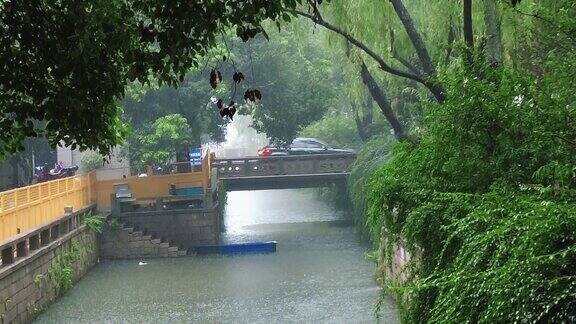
149, 187
153, 186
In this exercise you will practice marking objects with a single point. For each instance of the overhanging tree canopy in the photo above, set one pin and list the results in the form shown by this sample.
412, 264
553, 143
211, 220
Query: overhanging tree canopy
68, 62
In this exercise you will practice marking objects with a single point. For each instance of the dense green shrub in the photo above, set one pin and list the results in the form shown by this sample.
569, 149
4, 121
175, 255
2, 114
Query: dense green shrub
373, 155
494, 257
486, 199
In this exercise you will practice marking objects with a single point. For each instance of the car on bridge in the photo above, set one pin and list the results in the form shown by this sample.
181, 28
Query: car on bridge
303, 146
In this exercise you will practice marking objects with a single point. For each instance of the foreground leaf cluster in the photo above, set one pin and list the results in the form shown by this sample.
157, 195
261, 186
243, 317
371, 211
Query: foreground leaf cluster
67, 63
486, 199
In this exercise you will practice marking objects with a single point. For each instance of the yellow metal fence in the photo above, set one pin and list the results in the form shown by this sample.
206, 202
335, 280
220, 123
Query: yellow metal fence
28, 208
33, 206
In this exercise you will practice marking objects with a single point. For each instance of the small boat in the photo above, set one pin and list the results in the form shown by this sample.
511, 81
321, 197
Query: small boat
238, 248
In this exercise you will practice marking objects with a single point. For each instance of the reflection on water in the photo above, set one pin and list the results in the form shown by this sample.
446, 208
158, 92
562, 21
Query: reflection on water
319, 274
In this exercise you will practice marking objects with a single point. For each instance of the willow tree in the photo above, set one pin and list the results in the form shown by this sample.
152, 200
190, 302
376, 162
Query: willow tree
367, 29
410, 40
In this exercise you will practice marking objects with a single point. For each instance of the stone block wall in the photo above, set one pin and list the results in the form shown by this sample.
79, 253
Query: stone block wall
33, 282
396, 268
393, 267
186, 228
127, 243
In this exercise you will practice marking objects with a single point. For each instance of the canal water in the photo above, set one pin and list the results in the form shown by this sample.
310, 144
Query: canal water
319, 274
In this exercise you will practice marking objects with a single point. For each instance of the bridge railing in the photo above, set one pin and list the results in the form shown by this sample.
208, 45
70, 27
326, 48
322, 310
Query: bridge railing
30, 207
284, 165
206, 200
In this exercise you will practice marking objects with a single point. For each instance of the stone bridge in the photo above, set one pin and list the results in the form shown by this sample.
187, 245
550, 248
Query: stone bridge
283, 172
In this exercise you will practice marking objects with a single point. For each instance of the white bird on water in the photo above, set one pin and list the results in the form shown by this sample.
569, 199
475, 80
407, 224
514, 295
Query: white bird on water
142, 263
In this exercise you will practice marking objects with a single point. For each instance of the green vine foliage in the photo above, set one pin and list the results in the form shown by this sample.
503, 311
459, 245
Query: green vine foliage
61, 271
372, 156
95, 222
60, 276
510, 258
486, 199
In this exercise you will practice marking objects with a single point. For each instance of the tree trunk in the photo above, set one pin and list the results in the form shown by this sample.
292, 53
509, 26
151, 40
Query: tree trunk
380, 97
493, 33
15, 163
364, 122
415, 37
468, 30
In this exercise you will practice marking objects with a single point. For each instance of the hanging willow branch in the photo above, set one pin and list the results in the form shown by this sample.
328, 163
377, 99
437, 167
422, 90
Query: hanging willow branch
434, 88
383, 65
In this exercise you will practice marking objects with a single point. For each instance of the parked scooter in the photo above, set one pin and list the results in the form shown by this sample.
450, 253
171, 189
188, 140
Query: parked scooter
43, 173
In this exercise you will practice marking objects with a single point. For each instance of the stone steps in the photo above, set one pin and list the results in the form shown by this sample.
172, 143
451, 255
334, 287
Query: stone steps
131, 242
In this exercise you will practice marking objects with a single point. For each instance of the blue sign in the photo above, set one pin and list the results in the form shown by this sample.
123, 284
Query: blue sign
196, 156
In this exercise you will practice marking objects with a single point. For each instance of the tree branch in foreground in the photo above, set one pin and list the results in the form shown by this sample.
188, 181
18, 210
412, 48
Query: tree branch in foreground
415, 37
380, 97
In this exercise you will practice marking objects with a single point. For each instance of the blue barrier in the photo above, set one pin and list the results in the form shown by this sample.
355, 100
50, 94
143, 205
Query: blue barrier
238, 248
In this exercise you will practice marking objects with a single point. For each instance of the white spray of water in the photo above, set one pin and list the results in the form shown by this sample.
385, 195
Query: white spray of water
241, 139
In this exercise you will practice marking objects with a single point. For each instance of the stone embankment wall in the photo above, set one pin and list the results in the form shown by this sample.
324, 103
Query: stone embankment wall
395, 269
186, 228
127, 243
393, 264
33, 282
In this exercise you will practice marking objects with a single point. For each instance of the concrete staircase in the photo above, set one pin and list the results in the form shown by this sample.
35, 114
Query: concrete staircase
132, 242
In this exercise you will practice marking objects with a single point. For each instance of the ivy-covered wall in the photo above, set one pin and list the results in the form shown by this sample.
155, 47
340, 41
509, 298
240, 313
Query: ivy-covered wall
30, 285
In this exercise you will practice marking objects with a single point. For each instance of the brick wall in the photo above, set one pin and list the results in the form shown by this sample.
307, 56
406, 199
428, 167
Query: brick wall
32, 283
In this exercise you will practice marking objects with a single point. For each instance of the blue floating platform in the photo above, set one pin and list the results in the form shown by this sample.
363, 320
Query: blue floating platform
238, 248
